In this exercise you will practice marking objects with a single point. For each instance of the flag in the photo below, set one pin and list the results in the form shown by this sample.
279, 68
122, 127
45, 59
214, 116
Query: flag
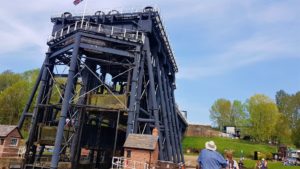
76, 2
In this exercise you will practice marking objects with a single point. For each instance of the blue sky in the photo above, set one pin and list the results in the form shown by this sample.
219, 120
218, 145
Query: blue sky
229, 49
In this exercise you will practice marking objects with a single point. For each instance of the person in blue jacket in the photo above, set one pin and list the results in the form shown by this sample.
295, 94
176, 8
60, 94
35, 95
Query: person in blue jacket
209, 158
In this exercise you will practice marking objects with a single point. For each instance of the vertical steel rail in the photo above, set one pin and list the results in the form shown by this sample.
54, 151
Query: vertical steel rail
169, 110
164, 110
174, 120
177, 126
65, 105
116, 133
139, 91
153, 95
81, 116
133, 93
34, 121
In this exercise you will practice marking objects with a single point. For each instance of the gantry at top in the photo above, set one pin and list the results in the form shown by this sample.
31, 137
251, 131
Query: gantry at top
119, 25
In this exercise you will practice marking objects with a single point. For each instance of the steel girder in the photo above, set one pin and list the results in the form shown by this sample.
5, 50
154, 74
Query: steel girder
132, 73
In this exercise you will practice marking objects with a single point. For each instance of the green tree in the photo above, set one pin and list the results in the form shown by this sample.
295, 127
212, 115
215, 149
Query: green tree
12, 101
283, 132
30, 75
220, 112
296, 135
14, 93
263, 117
224, 113
238, 114
7, 78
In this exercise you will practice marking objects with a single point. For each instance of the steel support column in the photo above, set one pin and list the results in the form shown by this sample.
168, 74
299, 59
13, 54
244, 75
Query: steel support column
29, 102
170, 115
33, 128
174, 119
177, 125
133, 93
65, 105
164, 110
139, 91
153, 95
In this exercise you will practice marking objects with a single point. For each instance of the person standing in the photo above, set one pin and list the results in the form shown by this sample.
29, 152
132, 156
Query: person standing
209, 158
264, 164
231, 163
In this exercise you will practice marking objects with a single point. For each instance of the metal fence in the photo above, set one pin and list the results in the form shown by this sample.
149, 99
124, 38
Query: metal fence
114, 31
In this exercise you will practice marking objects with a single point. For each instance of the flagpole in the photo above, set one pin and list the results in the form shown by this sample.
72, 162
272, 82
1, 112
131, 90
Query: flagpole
83, 13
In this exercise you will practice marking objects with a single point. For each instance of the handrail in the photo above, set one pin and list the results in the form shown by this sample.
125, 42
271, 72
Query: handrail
124, 163
113, 31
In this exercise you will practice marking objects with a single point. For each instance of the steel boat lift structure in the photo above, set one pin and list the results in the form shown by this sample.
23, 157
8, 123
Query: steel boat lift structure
104, 76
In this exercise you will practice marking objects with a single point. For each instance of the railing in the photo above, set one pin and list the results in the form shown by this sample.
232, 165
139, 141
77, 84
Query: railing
109, 11
123, 163
113, 31
32, 166
42, 163
158, 18
166, 40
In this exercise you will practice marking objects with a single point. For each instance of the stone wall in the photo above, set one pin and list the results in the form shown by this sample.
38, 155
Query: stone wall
6, 162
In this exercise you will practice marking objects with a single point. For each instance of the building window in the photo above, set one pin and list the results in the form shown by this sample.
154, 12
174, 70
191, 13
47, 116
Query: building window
128, 153
1, 141
13, 142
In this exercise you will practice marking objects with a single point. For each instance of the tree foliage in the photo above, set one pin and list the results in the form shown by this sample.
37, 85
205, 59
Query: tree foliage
224, 113
282, 132
263, 117
12, 101
289, 106
8, 78
14, 93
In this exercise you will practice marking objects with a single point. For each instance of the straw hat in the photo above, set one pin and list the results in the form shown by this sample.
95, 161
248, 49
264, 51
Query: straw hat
210, 145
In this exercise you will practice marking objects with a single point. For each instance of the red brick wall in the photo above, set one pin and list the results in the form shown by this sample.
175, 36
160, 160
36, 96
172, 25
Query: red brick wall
9, 150
154, 158
201, 130
143, 156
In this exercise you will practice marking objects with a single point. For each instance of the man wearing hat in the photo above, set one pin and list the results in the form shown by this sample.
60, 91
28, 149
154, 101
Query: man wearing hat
209, 158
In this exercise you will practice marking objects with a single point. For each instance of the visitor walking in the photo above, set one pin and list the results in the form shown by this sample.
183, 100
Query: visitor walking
209, 158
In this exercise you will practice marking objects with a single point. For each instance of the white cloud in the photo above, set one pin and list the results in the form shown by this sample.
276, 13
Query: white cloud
18, 35
261, 32
242, 53
28, 24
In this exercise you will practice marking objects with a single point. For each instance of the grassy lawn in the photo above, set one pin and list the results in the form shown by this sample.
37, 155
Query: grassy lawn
250, 164
235, 145
191, 161
223, 144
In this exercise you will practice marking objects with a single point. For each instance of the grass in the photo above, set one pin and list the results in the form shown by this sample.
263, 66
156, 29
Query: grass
250, 164
235, 145
239, 147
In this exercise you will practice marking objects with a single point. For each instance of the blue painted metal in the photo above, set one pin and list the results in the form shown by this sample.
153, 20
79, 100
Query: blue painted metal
112, 54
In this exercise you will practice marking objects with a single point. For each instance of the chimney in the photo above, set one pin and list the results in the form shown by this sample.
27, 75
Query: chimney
155, 132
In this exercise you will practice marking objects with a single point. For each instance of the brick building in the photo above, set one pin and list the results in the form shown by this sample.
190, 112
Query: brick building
10, 138
141, 148
202, 130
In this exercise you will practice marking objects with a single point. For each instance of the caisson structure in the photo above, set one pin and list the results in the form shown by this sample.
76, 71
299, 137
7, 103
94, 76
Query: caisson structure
104, 76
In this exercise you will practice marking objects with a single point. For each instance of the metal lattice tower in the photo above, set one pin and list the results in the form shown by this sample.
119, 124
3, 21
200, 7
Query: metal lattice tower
103, 77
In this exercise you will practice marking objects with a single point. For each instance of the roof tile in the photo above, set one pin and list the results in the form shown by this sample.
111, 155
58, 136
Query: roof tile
141, 141
6, 129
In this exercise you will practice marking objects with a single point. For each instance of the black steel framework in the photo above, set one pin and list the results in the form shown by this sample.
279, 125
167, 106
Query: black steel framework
103, 77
